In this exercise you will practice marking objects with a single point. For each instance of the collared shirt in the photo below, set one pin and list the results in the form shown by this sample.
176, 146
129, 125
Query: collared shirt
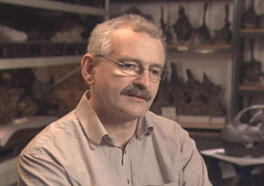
77, 150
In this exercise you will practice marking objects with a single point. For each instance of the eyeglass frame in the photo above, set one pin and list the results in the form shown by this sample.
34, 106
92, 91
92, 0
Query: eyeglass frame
137, 73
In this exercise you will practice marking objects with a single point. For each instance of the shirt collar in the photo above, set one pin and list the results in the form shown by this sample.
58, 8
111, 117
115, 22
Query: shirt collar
89, 120
93, 127
144, 127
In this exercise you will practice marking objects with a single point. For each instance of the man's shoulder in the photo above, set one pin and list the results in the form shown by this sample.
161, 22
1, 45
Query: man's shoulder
164, 125
57, 134
161, 121
167, 132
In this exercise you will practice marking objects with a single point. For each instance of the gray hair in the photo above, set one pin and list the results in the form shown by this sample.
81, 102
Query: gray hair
100, 39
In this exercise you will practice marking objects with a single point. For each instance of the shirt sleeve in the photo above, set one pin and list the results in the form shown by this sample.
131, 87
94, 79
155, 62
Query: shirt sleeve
194, 167
36, 169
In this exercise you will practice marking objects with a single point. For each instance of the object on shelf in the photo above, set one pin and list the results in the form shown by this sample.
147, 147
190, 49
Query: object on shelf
164, 97
245, 135
15, 103
165, 27
70, 31
252, 69
190, 97
183, 27
224, 35
250, 19
261, 21
69, 35
135, 10
26, 126
8, 34
202, 34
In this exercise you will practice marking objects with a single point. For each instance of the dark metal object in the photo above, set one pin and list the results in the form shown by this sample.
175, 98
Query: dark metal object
165, 27
191, 97
15, 103
224, 35
136, 10
250, 19
245, 135
183, 27
202, 34
252, 69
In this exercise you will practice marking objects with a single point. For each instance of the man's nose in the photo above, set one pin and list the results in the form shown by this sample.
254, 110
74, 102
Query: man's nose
143, 78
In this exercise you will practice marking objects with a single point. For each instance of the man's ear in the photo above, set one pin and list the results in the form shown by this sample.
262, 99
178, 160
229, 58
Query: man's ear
87, 65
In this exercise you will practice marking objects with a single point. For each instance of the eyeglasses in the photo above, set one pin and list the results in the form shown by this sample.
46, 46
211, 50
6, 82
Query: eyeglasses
133, 68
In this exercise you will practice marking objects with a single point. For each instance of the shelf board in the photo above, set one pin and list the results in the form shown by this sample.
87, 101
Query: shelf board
58, 6
200, 49
253, 88
254, 32
144, 1
14, 63
202, 125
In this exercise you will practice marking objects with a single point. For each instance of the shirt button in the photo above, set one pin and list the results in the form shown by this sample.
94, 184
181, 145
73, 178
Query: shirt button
128, 182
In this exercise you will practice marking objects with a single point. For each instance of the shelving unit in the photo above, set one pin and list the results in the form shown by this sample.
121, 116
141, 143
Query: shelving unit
28, 62
58, 6
17, 58
240, 90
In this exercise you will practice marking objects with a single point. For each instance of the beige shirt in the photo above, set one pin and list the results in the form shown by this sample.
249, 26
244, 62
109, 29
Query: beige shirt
76, 150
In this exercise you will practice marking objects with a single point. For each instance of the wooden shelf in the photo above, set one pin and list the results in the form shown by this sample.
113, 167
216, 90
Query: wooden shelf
254, 88
144, 1
57, 6
14, 63
253, 32
194, 125
200, 49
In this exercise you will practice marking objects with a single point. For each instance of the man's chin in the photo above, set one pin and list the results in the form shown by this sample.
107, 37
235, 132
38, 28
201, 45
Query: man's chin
138, 112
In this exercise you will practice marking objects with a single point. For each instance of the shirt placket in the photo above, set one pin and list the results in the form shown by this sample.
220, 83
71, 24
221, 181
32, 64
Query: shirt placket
125, 172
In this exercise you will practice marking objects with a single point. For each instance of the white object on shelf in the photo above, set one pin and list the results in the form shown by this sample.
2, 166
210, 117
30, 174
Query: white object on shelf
14, 63
58, 6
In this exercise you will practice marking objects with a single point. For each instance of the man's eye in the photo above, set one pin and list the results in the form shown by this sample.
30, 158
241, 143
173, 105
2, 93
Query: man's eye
155, 71
131, 66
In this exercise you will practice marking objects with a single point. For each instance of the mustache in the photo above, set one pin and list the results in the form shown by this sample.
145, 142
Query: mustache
137, 91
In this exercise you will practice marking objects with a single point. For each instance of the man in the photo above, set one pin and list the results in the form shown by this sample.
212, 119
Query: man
110, 138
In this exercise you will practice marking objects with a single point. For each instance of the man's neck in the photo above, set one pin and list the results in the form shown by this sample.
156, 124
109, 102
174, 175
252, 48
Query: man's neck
121, 132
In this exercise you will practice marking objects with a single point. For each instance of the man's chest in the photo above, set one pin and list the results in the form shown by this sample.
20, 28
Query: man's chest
139, 164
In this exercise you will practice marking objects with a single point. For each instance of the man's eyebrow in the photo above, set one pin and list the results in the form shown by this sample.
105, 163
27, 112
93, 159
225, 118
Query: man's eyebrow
125, 59
157, 65
138, 61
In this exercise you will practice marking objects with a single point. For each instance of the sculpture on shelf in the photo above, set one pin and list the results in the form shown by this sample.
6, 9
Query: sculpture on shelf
213, 99
136, 10
244, 136
183, 27
250, 18
164, 97
224, 35
191, 97
15, 103
252, 69
202, 34
165, 26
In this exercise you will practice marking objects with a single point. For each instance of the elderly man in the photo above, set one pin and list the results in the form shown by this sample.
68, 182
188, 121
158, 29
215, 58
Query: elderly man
110, 138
